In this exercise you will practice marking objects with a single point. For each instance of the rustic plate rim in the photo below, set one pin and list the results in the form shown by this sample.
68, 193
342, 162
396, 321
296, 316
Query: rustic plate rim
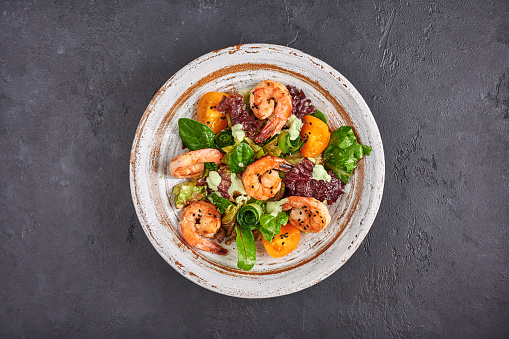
374, 207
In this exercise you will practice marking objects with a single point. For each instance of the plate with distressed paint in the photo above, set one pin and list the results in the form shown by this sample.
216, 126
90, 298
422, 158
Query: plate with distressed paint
156, 142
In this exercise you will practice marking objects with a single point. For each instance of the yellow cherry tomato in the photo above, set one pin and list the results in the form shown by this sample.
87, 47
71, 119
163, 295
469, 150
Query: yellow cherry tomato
208, 113
284, 242
317, 134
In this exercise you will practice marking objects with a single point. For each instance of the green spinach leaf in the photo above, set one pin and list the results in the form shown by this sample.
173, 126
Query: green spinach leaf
195, 135
246, 248
320, 115
240, 158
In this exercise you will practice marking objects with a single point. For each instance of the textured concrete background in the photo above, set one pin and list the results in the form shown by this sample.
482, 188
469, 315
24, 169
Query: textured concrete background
75, 79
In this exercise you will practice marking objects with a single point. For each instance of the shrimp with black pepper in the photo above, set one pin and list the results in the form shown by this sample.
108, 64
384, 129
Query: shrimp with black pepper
307, 214
201, 219
261, 179
271, 100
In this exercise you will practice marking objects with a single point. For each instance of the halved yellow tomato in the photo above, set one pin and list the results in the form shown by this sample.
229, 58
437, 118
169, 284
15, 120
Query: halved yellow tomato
284, 242
317, 134
208, 113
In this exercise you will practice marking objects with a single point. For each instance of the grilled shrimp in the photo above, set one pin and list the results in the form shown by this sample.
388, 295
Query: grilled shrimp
271, 100
202, 219
261, 179
308, 214
192, 164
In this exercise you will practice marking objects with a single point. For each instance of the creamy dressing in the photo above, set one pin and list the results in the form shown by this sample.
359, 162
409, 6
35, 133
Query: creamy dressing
295, 125
238, 133
275, 207
213, 180
319, 173
236, 185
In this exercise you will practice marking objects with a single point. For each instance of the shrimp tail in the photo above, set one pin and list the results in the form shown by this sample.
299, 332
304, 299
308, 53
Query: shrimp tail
285, 166
198, 242
209, 246
293, 201
270, 129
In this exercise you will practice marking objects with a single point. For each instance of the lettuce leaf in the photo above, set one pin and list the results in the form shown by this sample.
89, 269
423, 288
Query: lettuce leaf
294, 159
187, 192
221, 203
343, 153
231, 211
258, 151
271, 225
272, 148
211, 166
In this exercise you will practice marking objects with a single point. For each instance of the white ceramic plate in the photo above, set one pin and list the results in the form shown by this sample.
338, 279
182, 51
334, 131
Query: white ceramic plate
157, 142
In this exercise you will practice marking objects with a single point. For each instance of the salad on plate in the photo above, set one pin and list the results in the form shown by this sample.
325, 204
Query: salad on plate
264, 166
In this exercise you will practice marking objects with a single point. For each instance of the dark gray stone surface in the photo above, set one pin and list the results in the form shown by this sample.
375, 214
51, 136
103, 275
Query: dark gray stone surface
75, 79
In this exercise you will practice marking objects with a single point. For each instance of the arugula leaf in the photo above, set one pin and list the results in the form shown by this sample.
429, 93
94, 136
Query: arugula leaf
221, 203
271, 225
320, 115
240, 158
343, 152
195, 135
246, 248
187, 192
